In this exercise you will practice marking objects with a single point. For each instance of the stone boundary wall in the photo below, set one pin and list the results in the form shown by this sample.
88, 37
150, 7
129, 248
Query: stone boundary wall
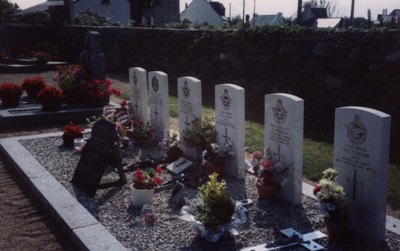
326, 69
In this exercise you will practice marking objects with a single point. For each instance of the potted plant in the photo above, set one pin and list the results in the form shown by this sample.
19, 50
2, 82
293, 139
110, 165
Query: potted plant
10, 94
97, 93
33, 86
171, 147
51, 98
139, 132
214, 158
69, 79
331, 197
216, 209
200, 135
144, 182
271, 174
71, 132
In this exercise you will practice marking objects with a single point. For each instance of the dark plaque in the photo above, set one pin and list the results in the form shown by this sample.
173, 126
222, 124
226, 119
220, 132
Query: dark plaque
98, 153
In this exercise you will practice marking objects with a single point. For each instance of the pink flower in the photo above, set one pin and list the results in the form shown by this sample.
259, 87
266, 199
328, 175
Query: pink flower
118, 126
257, 155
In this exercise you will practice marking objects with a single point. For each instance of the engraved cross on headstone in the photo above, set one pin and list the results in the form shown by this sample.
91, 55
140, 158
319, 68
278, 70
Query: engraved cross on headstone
226, 135
136, 107
355, 183
187, 123
278, 154
156, 115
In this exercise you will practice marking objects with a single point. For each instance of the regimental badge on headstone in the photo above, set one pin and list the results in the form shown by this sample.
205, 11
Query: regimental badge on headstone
356, 131
155, 84
186, 90
279, 112
226, 100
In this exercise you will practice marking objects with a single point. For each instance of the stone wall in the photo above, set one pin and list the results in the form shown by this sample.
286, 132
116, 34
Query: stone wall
326, 69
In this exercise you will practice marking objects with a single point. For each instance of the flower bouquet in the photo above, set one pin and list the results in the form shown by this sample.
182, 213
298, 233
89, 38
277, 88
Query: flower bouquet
97, 92
68, 78
139, 132
171, 147
10, 94
143, 184
331, 197
271, 174
33, 86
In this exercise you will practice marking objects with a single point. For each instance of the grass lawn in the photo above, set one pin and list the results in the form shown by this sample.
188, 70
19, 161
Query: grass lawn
317, 156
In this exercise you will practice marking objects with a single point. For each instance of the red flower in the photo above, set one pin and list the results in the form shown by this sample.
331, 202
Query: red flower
123, 103
159, 169
158, 180
139, 175
317, 188
257, 155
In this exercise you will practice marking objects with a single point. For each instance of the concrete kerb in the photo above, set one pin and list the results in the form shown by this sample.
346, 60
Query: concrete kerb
85, 231
82, 228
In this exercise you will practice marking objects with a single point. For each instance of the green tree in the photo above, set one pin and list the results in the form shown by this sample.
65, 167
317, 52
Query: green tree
7, 9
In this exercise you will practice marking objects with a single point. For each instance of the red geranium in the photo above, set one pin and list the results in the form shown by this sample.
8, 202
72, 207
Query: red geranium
147, 179
10, 89
73, 130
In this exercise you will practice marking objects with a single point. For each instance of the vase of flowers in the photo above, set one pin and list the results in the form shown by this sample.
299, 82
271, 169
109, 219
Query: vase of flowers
33, 86
171, 148
69, 78
144, 182
333, 207
71, 132
214, 157
51, 98
196, 138
271, 173
10, 94
96, 93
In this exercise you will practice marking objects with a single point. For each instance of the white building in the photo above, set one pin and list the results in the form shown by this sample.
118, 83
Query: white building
202, 11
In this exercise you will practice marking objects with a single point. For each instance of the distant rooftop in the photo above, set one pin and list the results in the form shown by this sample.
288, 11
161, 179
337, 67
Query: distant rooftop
41, 7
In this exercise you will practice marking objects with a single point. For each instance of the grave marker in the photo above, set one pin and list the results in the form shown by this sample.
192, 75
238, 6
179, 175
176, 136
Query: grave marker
92, 59
189, 102
229, 120
283, 135
361, 155
158, 102
139, 98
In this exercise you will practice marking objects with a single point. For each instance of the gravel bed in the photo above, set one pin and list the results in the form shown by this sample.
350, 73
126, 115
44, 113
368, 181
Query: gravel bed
112, 207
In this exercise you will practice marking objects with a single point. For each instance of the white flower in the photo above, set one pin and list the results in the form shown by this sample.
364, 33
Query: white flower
215, 148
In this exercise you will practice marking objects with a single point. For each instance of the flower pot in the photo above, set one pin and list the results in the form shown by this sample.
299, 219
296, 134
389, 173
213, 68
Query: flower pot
10, 101
51, 106
212, 168
266, 191
68, 140
173, 155
337, 227
141, 196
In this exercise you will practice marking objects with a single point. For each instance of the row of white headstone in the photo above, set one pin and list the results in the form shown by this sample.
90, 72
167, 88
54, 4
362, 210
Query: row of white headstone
361, 141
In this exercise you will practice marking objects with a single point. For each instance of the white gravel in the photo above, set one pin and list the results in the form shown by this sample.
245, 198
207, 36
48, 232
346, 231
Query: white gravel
112, 207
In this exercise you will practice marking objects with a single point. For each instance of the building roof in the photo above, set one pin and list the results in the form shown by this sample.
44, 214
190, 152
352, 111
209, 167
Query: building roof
219, 8
272, 19
40, 7
319, 12
328, 22
202, 11
395, 12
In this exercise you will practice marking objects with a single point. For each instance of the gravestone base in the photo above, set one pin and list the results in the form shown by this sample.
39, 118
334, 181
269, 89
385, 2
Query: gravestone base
32, 114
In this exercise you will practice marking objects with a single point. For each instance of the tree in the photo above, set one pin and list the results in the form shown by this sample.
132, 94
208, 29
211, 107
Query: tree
7, 9
331, 6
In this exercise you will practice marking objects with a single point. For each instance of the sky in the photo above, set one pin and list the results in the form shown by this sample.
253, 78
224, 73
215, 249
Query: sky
287, 7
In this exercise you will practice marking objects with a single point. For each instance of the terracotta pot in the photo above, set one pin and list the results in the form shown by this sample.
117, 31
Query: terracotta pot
173, 155
211, 168
141, 196
337, 227
10, 101
51, 106
267, 191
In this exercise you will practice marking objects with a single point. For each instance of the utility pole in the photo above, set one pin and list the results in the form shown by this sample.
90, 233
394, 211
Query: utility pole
254, 14
230, 18
244, 1
299, 7
352, 13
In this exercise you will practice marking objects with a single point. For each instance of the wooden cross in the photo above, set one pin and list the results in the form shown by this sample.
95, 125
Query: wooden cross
187, 123
156, 115
355, 183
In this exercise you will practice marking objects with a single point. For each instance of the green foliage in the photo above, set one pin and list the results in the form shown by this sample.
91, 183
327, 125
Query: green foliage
218, 207
7, 9
92, 18
201, 134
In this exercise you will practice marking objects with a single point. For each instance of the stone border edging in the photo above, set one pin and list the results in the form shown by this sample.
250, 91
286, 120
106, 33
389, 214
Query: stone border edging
84, 230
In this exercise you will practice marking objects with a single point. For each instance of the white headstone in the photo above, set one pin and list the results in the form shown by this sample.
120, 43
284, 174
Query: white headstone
283, 136
189, 102
361, 155
229, 120
159, 102
139, 98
